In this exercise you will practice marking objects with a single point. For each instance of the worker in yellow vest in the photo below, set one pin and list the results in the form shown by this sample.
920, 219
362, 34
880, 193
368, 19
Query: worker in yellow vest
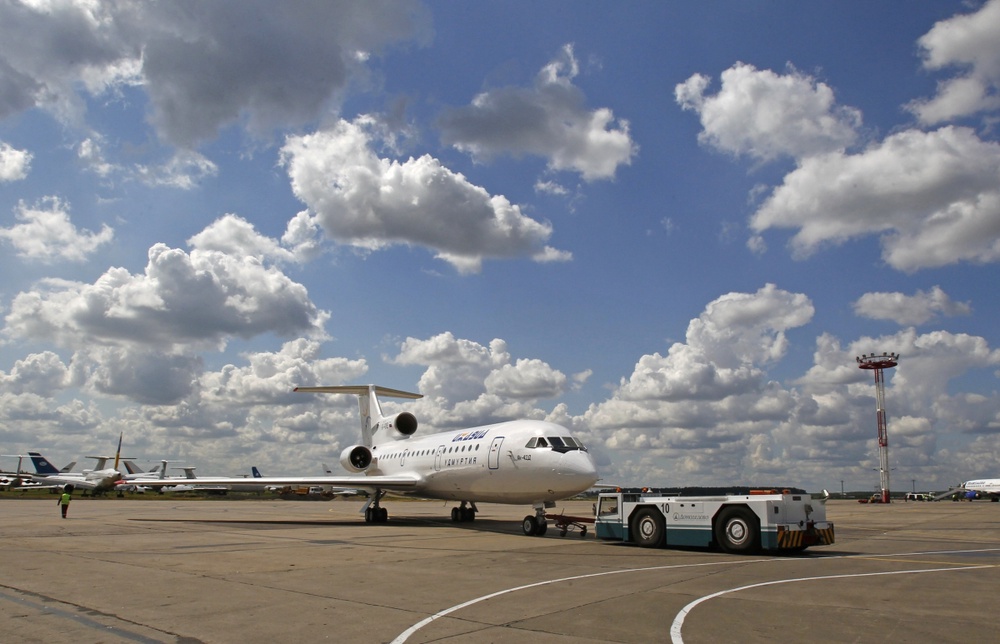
64, 500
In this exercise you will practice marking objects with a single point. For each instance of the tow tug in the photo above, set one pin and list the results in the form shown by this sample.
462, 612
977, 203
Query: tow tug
737, 520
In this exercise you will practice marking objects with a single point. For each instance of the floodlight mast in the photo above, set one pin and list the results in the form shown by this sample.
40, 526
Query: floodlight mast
878, 364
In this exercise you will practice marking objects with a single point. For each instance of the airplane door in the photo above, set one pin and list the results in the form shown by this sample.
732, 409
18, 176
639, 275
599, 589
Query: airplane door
494, 460
437, 458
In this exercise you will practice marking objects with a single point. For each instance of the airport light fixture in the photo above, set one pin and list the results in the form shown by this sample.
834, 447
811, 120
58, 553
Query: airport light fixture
879, 363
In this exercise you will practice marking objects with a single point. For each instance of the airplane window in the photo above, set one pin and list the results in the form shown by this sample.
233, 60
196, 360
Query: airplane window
542, 442
533, 443
570, 441
556, 441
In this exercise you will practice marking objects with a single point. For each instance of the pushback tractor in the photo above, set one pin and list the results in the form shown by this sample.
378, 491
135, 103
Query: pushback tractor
741, 520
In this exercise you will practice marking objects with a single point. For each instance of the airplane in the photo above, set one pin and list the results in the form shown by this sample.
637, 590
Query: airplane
515, 462
97, 481
980, 488
23, 480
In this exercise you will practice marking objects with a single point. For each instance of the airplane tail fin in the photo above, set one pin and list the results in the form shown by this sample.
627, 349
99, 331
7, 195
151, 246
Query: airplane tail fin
256, 472
68, 468
42, 464
369, 407
132, 468
118, 452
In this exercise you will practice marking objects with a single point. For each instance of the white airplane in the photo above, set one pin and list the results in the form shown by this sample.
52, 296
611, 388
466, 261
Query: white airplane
98, 480
983, 488
519, 461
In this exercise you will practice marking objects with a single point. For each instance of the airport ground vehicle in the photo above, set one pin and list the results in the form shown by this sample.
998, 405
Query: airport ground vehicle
737, 520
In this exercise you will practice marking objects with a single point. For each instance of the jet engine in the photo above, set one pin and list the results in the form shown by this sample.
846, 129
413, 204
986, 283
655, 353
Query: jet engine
400, 426
356, 458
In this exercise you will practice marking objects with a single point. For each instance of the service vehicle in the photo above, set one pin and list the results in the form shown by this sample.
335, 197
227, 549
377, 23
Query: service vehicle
737, 520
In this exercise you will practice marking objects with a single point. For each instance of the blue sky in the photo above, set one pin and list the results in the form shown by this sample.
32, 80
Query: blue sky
668, 226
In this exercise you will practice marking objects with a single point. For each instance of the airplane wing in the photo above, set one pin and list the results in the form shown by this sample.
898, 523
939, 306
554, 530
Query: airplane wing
400, 483
78, 482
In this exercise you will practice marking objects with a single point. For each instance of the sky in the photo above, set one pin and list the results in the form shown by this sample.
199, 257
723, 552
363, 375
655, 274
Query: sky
670, 227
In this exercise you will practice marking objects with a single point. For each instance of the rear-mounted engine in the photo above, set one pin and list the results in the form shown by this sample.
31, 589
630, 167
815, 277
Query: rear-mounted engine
356, 458
400, 426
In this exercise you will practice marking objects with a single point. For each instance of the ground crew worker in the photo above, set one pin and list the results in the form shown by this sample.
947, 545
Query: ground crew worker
64, 500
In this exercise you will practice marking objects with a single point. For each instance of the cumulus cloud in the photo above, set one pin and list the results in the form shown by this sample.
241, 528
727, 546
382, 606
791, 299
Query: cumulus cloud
933, 196
53, 53
687, 417
466, 383
42, 374
140, 336
233, 235
970, 42
47, 235
14, 163
183, 170
906, 310
549, 119
271, 376
707, 405
371, 202
724, 348
765, 115
196, 299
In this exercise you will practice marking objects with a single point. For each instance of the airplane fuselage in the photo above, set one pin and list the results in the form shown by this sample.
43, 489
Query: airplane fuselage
990, 487
492, 464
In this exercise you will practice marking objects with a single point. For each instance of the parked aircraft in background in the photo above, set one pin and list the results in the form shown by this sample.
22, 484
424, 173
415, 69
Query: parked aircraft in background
97, 481
982, 488
520, 461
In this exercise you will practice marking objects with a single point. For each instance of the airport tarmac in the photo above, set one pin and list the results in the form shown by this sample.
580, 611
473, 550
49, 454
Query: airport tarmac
124, 570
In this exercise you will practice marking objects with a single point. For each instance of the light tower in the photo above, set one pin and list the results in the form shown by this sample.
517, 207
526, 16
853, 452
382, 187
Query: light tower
878, 364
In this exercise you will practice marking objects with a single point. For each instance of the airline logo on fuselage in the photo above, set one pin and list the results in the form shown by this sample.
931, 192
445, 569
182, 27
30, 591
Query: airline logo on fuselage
470, 436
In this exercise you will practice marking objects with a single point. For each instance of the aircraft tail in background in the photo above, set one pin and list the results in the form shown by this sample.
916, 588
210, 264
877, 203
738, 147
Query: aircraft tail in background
118, 452
42, 465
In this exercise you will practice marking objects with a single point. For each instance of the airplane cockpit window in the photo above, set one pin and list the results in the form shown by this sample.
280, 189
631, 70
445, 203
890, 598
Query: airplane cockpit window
561, 444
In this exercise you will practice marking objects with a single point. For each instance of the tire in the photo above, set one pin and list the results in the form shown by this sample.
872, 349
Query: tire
648, 528
737, 531
529, 526
456, 515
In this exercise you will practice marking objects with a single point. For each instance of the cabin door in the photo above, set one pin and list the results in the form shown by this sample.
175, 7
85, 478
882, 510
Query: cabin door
494, 460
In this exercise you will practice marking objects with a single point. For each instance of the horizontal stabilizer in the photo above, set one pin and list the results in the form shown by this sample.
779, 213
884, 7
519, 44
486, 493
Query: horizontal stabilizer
359, 390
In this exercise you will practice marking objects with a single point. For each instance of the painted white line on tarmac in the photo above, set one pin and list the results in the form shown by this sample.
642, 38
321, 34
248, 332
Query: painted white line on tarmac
678, 624
402, 637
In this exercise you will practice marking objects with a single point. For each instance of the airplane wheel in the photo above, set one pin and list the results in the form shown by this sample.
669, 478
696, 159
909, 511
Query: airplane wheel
529, 526
368, 515
543, 527
383, 515
562, 533
467, 514
456, 515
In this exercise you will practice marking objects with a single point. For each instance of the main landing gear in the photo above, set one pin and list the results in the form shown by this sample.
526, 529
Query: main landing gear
535, 525
464, 513
375, 513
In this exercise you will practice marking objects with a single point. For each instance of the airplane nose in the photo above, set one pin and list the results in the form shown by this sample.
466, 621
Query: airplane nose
580, 466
